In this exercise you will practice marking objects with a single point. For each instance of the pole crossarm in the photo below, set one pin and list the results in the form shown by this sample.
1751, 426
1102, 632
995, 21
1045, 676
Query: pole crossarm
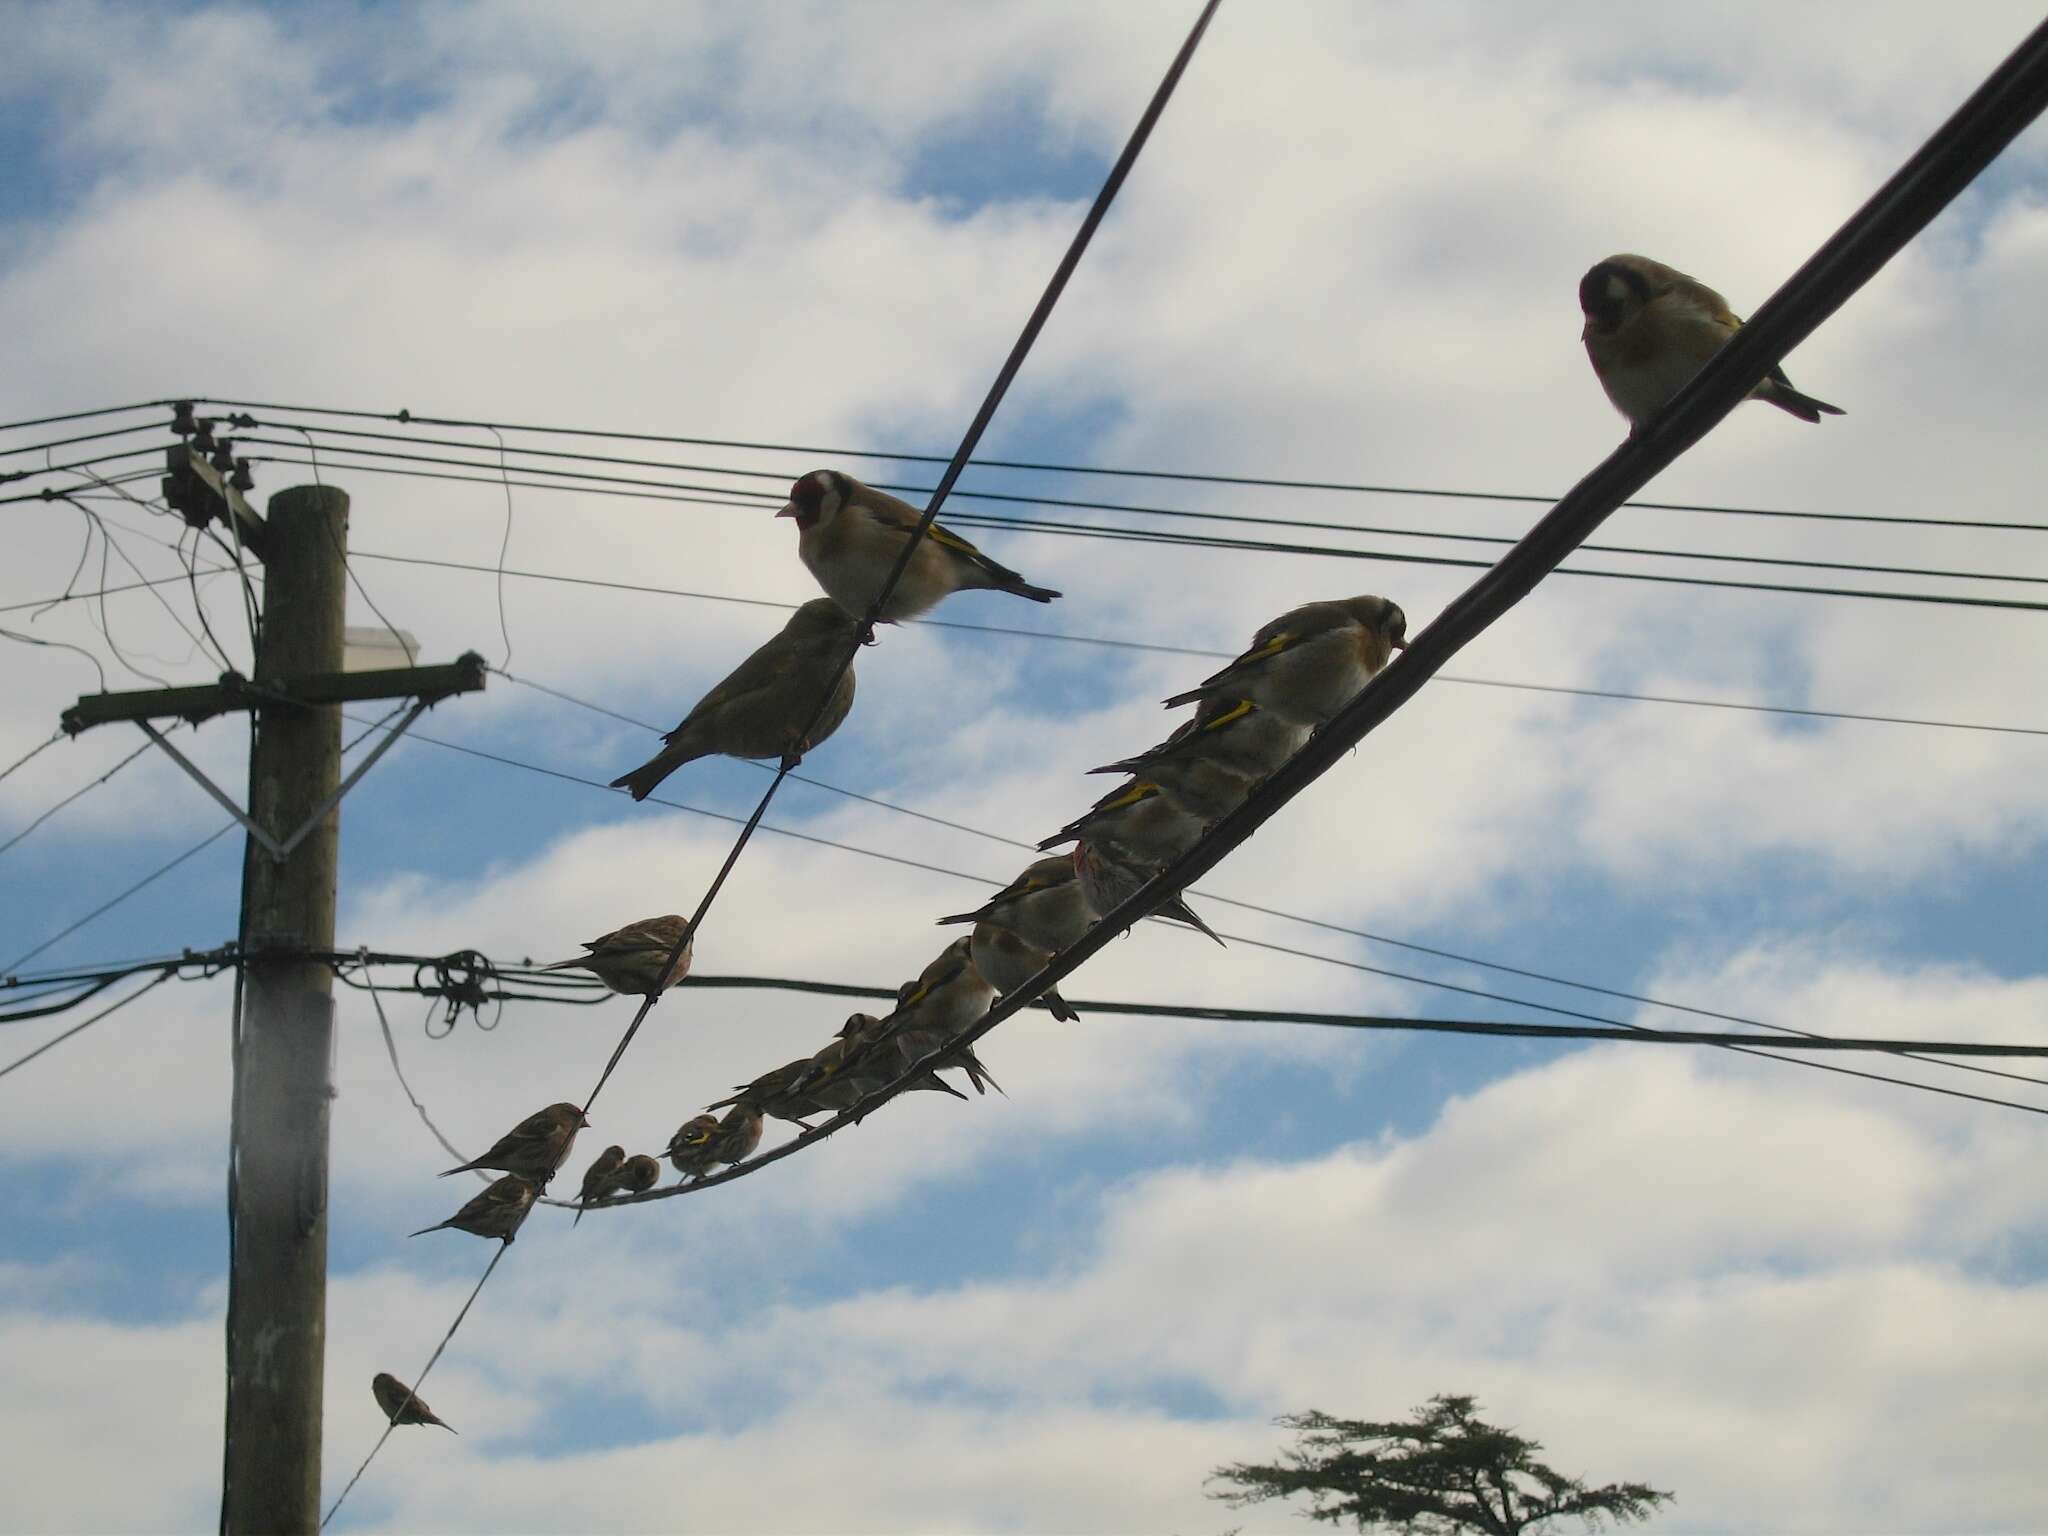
429, 685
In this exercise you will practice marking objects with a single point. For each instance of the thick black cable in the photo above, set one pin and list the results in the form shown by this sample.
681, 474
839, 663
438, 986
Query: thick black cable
1258, 481
972, 519
1188, 514
1996, 113
1112, 184
1189, 650
105, 410
56, 1040
82, 437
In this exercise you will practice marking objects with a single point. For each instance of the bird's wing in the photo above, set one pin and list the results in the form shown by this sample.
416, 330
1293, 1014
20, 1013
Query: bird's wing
759, 672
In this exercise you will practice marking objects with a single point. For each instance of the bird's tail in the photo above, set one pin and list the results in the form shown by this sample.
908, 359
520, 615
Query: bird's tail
1036, 594
423, 1231
641, 782
962, 917
1060, 1007
445, 1425
1190, 696
465, 1168
1786, 398
1181, 912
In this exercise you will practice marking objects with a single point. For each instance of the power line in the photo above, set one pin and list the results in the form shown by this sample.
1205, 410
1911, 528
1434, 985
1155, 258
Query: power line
408, 417
51, 1044
974, 519
1187, 650
105, 410
1253, 519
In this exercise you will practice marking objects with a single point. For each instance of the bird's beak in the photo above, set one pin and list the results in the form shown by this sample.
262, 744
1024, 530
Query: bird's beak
788, 509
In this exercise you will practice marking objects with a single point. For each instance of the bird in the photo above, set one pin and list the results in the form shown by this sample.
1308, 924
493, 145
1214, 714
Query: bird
762, 707
1139, 820
1109, 877
599, 1179
1650, 328
916, 1044
1045, 906
949, 995
629, 960
534, 1147
1229, 734
399, 1404
497, 1212
1006, 962
639, 1175
738, 1134
775, 1093
693, 1148
850, 536
859, 1063
1311, 661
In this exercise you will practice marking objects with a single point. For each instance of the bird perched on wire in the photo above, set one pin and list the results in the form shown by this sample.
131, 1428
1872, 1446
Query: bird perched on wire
915, 1043
639, 1175
1045, 906
1006, 962
535, 1147
599, 1179
1650, 328
1140, 821
693, 1149
761, 709
399, 1404
1109, 877
1213, 760
859, 1063
850, 536
775, 1093
629, 960
949, 995
497, 1212
1311, 661
738, 1134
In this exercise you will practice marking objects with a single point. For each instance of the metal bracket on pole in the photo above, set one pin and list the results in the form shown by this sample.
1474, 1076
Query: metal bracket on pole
280, 851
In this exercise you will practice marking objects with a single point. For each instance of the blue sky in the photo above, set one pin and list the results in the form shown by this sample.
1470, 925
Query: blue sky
1350, 254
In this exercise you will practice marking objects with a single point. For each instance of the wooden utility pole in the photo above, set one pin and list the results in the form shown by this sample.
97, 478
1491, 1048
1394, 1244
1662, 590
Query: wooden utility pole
277, 1307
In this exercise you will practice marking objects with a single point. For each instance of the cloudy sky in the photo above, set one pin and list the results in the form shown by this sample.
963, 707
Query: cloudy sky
1802, 1301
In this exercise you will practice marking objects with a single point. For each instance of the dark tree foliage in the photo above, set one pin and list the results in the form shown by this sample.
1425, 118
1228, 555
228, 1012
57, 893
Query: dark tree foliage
1443, 1472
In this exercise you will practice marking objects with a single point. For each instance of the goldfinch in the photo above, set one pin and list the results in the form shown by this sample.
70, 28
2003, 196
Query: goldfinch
949, 995
762, 708
1650, 328
533, 1148
1311, 661
1212, 761
694, 1147
1006, 962
860, 1063
400, 1406
777, 1093
497, 1212
917, 1043
1045, 906
599, 1179
1108, 878
629, 960
1140, 821
851, 535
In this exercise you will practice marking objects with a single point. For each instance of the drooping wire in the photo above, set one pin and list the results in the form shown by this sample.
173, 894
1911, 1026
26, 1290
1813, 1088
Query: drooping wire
90, 784
56, 1040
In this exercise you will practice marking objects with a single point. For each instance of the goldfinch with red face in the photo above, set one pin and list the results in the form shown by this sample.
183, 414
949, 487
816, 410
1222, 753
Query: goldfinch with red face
1310, 662
629, 960
1650, 328
497, 1212
851, 535
762, 708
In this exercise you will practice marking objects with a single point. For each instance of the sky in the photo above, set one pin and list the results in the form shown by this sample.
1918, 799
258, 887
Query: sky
1801, 1301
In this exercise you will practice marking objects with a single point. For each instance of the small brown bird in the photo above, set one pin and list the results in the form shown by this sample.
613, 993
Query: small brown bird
629, 960
400, 1406
776, 1093
1311, 661
694, 1147
1650, 328
1045, 906
1140, 821
860, 1062
599, 1179
761, 709
639, 1175
1108, 878
738, 1134
535, 1147
949, 995
851, 535
497, 1212
1006, 962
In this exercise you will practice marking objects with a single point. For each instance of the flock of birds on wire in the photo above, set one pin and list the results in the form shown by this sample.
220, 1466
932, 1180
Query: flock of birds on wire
1649, 329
